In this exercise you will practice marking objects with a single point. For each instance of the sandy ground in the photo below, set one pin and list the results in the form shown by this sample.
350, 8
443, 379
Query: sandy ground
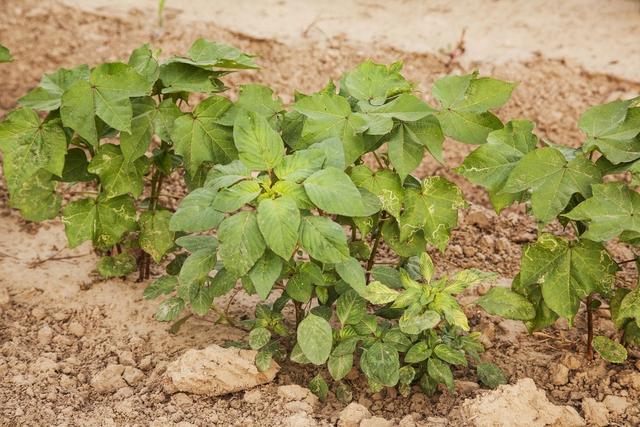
496, 31
42, 303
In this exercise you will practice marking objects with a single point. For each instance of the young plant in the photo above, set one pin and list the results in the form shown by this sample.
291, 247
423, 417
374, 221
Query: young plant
109, 137
302, 209
573, 186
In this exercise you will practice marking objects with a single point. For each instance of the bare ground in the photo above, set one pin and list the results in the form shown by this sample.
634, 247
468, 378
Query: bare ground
41, 305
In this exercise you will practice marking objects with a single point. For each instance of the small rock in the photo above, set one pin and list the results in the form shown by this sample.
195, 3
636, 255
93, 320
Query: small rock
456, 250
617, 405
61, 315
182, 400
518, 405
45, 334
5, 299
145, 363
38, 313
44, 364
76, 329
352, 415
294, 392
298, 406
126, 358
123, 393
630, 379
559, 374
571, 362
132, 375
408, 421
252, 396
525, 238
469, 251
300, 420
595, 412
478, 218
375, 422
487, 242
109, 379
466, 387
503, 244
216, 371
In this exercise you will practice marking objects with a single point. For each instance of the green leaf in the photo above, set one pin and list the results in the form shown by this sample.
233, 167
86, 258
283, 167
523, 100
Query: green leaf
205, 53
104, 221
552, 180
440, 372
333, 191
419, 352
300, 165
265, 273
29, 146
170, 309
47, 96
323, 239
450, 355
196, 267
279, 221
490, 165
387, 275
201, 297
381, 363
198, 137
350, 308
329, 116
5, 54
375, 83
259, 337
415, 323
222, 282
413, 245
490, 375
116, 266
508, 304
609, 350
161, 286
136, 143
155, 237
352, 272
241, 243
630, 305
377, 293
384, 184
196, 212
406, 108
339, 366
315, 338
613, 209
264, 360
105, 95
195, 243
256, 98
405, 154
236, 196
36, 197
143, 61
433, 209
428, 133
568, 271
605, 119
180, 77
75, 167
319, 387
117, 174
469, 128
259, 146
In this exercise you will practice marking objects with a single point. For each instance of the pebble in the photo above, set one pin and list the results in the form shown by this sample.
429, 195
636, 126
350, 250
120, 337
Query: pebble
595, 413
376, 422
109, 379
45, 334
252, 396
352, 415
559, 374
76, 329
630, 378
617, 405
126, 358
182, 400
132, 375
38, 313
478, 218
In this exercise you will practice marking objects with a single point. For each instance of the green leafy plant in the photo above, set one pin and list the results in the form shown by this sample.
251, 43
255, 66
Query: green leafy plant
107, 139
5, 54
299, 212
577, 187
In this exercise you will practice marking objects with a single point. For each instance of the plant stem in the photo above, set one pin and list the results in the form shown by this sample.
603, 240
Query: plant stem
374, 248
298, 310
589, 329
